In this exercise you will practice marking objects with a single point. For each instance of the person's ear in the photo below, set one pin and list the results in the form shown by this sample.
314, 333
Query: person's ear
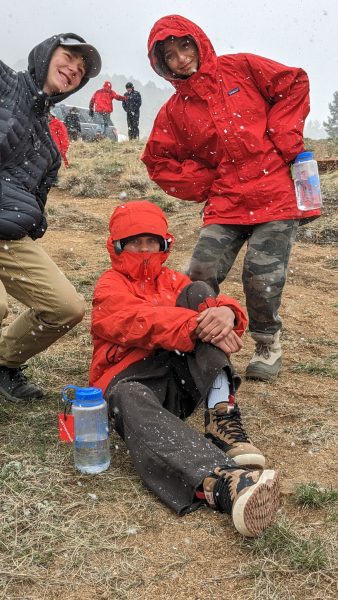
117, 247
165, 245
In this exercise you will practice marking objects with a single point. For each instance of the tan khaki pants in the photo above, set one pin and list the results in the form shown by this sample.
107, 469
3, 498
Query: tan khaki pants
54, 307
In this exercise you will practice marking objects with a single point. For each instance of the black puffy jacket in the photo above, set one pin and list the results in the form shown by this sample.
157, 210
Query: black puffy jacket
29, 159
132, 102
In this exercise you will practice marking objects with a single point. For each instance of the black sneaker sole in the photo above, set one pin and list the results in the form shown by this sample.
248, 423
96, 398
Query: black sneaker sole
17, 400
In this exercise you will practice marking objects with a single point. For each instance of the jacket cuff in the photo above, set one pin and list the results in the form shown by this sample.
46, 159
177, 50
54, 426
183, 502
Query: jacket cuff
241, 320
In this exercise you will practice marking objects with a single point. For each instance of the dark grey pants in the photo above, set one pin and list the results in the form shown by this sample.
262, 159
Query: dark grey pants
149, 402
264, 267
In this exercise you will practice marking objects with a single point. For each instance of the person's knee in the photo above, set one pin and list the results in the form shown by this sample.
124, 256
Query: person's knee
194, 294
74, 311
66, 312
3, 310
120, 398
265, 285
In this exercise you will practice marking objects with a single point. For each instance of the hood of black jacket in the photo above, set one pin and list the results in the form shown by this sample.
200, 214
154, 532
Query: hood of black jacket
40, 57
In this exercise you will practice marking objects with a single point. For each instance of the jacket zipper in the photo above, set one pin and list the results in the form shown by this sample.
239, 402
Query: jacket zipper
145, 273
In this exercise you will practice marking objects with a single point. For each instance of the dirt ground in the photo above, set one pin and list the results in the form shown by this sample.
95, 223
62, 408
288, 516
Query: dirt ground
144, 551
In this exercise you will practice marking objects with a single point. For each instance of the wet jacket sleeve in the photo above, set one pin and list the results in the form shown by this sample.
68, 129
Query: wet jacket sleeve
185, 179
116, 96
7, 76
41, 198
119, 317
137, 100
8, 81
287, 90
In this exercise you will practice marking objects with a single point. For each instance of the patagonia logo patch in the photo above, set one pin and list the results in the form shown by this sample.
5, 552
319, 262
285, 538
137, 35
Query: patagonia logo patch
233, 91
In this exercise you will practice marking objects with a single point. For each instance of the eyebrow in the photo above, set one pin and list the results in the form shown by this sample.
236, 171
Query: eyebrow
75, 54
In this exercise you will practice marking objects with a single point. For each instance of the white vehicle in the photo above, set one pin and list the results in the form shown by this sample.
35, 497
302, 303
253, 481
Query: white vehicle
90, 126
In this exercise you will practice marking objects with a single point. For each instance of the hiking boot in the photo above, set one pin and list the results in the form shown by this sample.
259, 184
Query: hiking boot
223, 427
251, 497
266, 361
15, 386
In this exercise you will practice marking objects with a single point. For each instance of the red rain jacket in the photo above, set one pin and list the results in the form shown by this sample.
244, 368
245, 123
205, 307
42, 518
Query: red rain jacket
134, 308
59, 134
229, 133
102, 100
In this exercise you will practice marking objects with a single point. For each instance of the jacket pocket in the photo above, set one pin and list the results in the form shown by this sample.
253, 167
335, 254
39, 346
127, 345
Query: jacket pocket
20, 213
115, 353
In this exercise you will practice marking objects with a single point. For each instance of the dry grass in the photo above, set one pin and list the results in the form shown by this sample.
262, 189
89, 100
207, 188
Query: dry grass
66, 535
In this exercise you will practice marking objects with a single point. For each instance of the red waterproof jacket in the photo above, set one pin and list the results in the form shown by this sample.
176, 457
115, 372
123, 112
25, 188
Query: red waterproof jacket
134, 308
102, 100
228, 134
60, 136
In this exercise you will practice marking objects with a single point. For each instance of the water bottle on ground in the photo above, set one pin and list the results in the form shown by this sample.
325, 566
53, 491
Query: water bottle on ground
91, 439
306, 179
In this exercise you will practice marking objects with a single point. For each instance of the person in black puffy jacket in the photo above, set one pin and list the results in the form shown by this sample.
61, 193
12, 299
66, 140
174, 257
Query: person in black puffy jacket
29, 162
131, 104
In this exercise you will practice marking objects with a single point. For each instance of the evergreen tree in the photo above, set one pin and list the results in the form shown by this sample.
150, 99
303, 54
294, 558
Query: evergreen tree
331, 125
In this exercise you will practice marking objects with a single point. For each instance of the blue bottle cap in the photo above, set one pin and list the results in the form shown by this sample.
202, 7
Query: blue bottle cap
304, 156
89, 396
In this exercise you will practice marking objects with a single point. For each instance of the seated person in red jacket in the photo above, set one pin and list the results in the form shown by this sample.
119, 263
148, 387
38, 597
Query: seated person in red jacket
161, 349
101, 102
59, 134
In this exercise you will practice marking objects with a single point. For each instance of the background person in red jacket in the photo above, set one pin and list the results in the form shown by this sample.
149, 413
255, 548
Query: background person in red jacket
161, 347
227, 138
101, 102
59, 134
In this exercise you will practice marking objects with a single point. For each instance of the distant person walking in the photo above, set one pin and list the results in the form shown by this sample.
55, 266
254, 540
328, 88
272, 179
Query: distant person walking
72, 122
101, 102
60, 136
131, 104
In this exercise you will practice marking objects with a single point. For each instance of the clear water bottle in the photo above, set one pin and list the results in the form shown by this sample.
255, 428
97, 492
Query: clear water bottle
306, 179
91, 431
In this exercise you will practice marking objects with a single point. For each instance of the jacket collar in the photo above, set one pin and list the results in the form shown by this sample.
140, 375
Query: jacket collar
142, 267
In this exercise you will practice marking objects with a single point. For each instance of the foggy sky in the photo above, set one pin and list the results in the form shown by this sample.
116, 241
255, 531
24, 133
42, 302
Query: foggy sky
300, 33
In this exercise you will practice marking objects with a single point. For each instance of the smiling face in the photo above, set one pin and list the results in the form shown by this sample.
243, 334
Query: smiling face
181, 55
65, 72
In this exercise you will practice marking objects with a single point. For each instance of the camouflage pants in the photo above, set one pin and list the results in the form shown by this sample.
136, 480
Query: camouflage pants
264, 267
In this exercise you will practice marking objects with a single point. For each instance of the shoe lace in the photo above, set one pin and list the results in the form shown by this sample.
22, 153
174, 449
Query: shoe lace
222, 493
230, 425
263, 350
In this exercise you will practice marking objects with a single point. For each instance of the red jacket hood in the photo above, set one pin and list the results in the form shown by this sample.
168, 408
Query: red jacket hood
107, 85
135, 218
178, 26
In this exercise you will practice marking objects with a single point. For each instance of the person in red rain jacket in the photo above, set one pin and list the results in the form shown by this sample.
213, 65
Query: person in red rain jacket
226, 138
59, 134
161, 348
101, 102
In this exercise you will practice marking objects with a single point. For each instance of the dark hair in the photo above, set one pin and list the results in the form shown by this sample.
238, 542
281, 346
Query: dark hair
129, 85
159, 55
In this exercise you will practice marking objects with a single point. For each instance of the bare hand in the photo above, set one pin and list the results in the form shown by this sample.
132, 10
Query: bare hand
215, 324
230, 344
